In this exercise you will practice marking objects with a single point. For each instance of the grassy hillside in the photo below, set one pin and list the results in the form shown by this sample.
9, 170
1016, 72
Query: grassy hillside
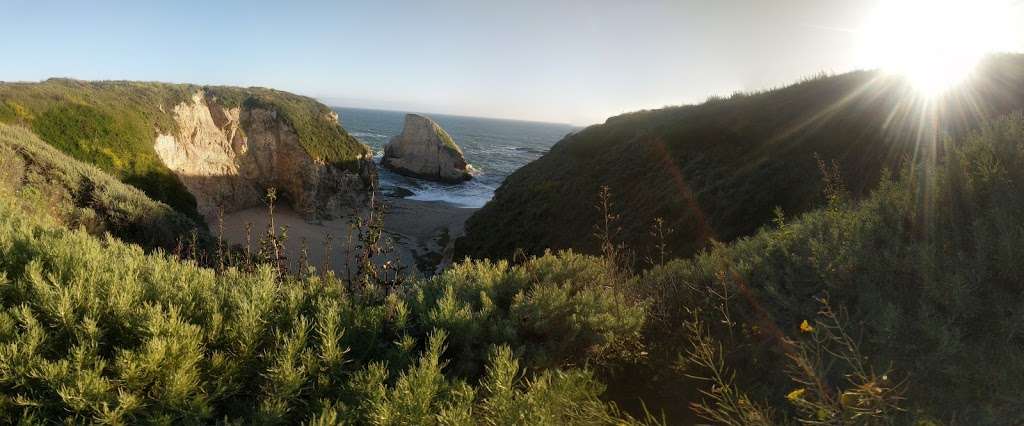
49, 184
113, 125
925, 273
720, 169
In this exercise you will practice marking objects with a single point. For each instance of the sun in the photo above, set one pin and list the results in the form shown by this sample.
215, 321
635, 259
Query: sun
934, 44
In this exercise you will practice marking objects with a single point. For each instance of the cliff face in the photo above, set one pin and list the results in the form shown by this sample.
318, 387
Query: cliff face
228, 157
426, 151
194, 147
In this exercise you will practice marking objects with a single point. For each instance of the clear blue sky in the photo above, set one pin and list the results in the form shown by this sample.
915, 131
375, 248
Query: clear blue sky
562, 61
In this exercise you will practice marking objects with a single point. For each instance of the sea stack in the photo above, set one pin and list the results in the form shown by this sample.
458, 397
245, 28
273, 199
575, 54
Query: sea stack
424, 150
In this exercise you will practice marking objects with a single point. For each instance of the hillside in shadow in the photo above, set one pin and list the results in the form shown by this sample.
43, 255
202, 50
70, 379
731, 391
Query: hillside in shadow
721, 169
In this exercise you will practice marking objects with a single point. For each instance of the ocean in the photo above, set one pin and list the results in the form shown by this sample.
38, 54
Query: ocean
495, 147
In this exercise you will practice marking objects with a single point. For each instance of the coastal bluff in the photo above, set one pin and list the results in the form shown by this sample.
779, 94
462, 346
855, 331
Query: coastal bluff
228, 156
424, 150
202, 150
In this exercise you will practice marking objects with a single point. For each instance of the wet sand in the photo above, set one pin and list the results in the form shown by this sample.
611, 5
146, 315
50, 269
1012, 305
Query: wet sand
422, 232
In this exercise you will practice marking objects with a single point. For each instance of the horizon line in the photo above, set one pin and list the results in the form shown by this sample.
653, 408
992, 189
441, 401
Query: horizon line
521, 120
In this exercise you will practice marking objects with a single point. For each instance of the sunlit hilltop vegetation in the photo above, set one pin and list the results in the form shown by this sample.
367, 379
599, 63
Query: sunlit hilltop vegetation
885, 288
48, 183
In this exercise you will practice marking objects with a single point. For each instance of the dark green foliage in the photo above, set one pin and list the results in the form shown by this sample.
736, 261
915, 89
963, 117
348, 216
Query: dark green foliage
719, 169
51, 185
97, 331
928, 268
551, 310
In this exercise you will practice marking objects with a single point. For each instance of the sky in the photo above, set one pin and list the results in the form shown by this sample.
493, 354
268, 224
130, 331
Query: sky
575, 62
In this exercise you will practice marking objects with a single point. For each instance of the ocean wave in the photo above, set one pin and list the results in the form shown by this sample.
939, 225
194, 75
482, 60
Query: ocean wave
469, 194
453, 198
531, 150
517, 153
369, 135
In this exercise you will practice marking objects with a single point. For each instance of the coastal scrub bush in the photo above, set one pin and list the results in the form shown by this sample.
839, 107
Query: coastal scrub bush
557, 310
96, 330
927, 270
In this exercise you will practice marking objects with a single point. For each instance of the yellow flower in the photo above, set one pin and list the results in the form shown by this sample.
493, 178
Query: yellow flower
806, 327
849, 398
796, 394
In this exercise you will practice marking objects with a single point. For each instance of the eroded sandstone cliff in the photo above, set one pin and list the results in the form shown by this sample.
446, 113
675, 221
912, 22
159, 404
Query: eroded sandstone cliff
228, 157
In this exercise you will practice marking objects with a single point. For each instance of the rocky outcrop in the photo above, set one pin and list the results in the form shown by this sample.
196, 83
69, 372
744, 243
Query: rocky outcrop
229, 157
424, 150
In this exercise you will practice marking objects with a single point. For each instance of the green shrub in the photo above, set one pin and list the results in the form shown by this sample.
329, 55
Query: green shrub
927, 267
96, 330
551, 310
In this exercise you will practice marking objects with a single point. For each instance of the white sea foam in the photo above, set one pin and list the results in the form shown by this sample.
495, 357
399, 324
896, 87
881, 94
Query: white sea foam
462, 197
470, 194
368, 135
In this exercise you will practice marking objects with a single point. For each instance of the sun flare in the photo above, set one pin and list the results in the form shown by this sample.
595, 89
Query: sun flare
935, 44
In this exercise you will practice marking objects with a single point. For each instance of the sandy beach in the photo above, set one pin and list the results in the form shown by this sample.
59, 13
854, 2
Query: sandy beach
422, 232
